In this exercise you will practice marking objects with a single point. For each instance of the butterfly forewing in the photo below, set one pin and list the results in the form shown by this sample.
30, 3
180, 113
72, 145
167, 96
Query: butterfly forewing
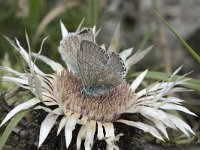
98, 69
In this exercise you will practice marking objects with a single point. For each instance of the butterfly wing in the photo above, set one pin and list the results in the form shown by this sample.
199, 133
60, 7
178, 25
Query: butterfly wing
99, 70
68, 51
70, 45
116, 69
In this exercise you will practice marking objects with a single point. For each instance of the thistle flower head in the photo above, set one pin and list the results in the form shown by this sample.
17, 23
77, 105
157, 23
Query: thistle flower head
96, 113
106, 107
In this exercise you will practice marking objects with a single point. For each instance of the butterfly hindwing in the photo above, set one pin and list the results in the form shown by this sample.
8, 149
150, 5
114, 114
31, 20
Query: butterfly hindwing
71, 44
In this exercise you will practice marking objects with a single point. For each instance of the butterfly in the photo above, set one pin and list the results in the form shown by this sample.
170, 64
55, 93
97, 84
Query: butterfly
71, 44
100, 71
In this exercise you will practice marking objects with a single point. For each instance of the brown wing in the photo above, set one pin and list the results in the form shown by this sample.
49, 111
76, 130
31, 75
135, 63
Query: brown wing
98, 68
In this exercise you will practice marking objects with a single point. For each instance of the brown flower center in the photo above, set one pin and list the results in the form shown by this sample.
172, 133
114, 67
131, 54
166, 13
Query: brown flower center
106, 107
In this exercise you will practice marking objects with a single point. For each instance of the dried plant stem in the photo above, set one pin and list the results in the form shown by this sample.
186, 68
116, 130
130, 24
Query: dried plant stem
162, 44
166, 50
4, 105
12, 92
8, 95
57, 10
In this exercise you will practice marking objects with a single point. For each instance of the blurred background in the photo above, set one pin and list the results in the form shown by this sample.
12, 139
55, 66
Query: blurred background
140, 28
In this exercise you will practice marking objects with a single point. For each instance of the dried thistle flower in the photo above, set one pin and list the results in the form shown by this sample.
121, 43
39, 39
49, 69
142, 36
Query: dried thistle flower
63, 90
